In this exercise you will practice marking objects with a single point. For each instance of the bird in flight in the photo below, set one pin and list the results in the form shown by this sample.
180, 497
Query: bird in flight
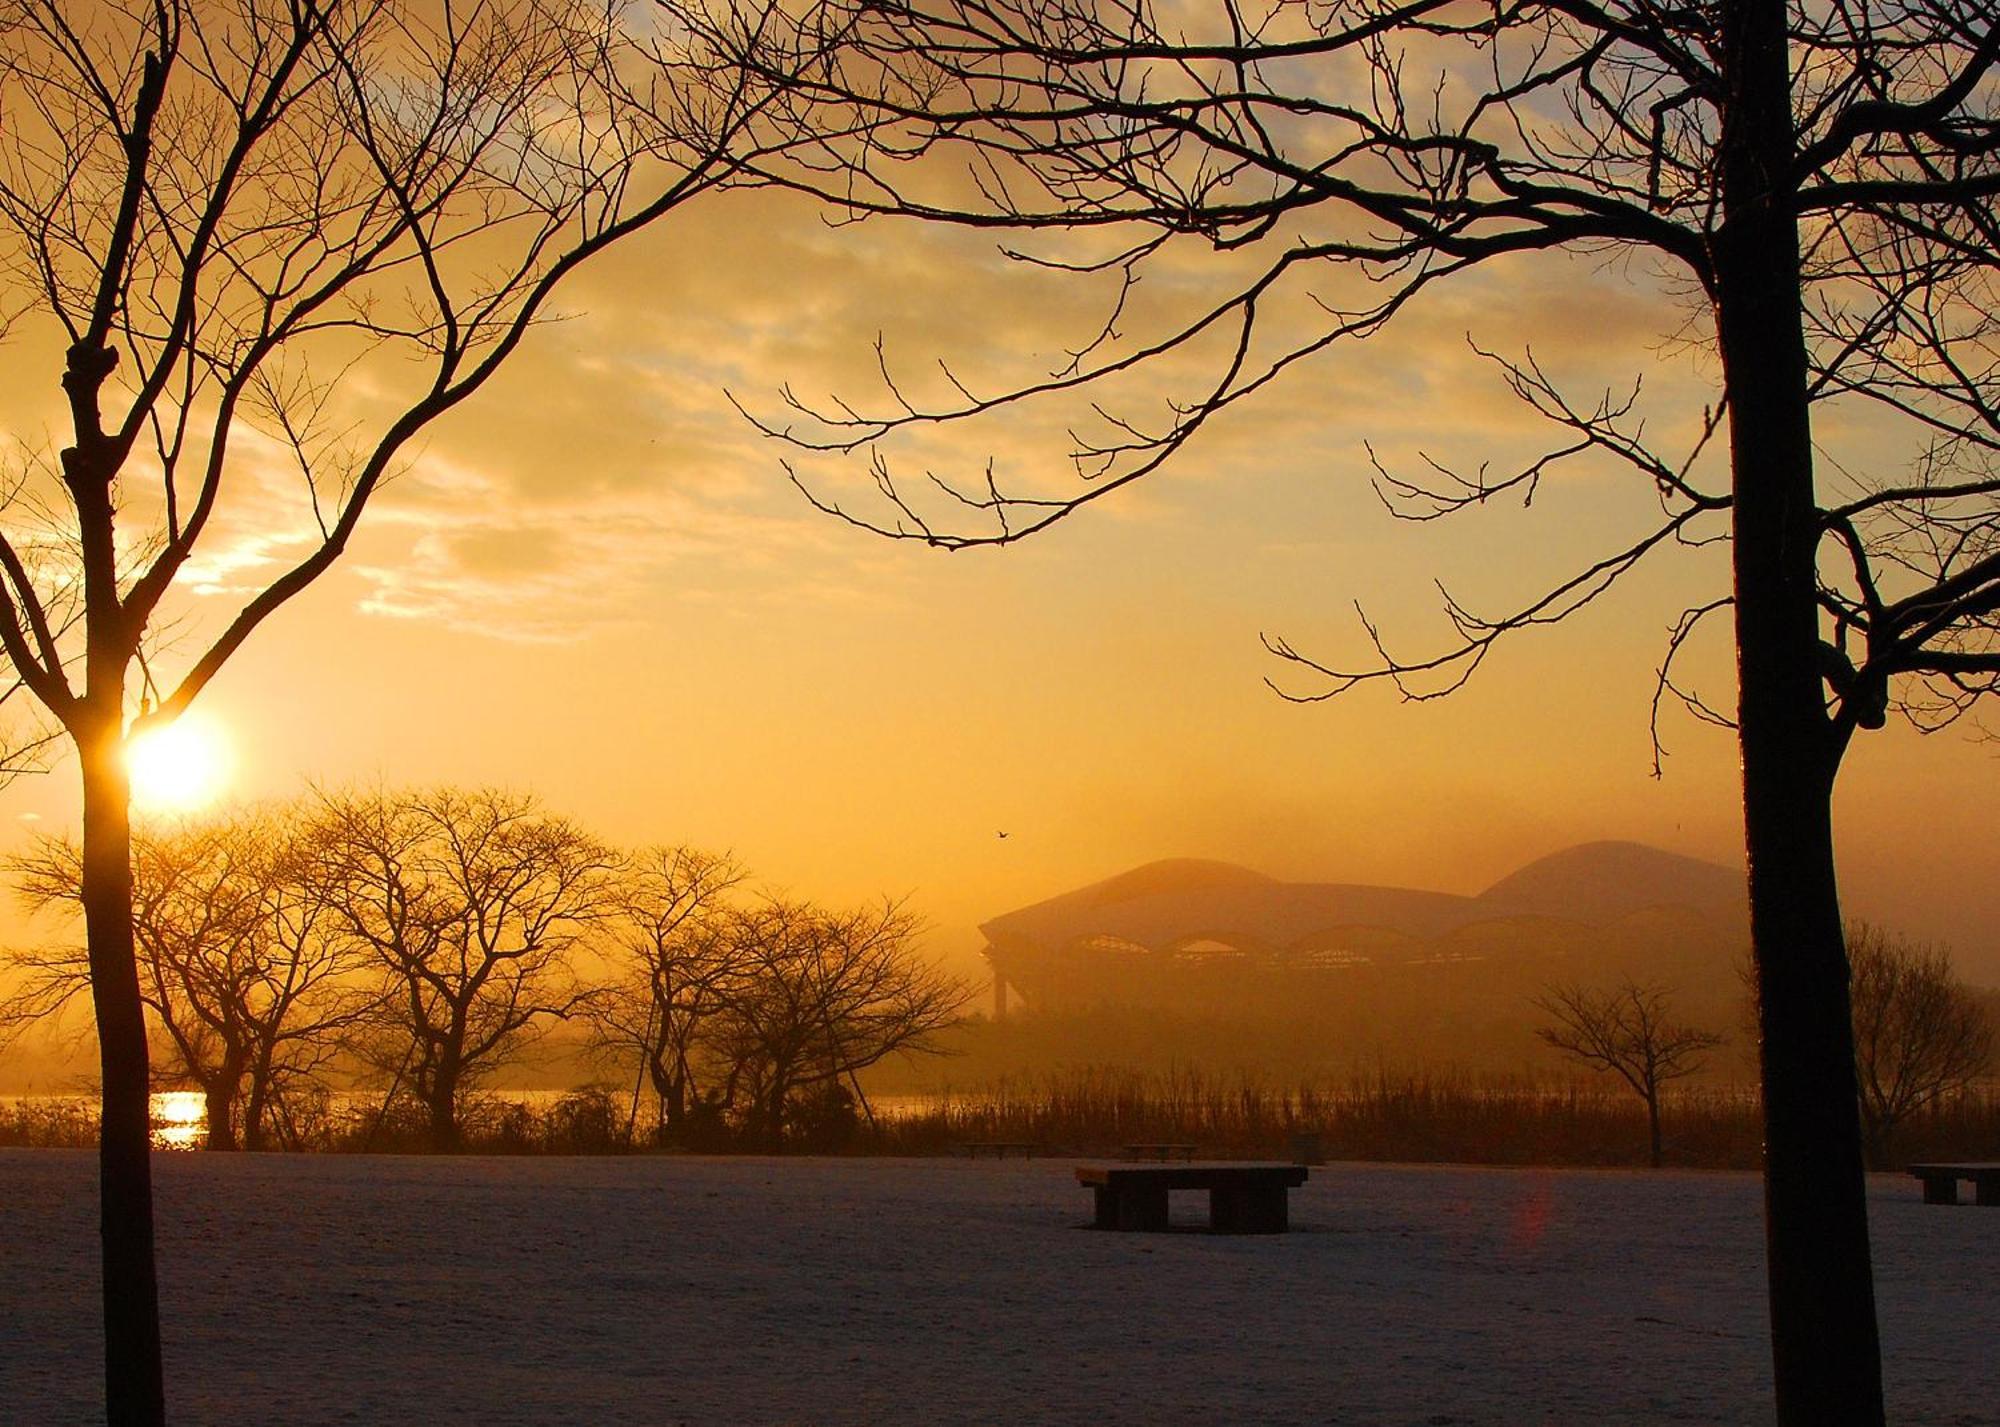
1002, 836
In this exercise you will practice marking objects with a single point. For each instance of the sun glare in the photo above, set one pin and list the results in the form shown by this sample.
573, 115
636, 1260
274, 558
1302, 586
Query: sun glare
179, 768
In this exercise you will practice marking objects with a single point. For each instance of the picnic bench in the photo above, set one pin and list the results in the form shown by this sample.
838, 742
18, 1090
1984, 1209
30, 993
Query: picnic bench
1941, 1181
1000, 1149
1184, 1153
1242, 1198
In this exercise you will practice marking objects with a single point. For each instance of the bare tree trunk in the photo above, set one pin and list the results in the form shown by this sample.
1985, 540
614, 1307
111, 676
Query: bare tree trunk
134, 1392
442, 1103
1875, 1147
219, 1104
668, 1095
256, 1104
771, 1110
1653, 1125
1826, 1356
674, 1103
220, 1097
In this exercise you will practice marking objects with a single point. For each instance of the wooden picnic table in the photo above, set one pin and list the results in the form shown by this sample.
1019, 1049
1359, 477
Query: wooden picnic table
1242, 1198
1941, 1181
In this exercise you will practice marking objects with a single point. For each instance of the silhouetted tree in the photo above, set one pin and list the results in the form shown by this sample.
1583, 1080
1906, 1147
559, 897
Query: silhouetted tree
1814, 187
473, 904
814, 998
1627, 1030
240, 961
241, 235
670, 956
1919, 1034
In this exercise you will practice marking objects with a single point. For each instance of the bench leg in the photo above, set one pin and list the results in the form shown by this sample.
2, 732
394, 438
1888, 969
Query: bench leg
1107, 1207
1128, 1208
1986, 1190
1248, 1211
1940, 1189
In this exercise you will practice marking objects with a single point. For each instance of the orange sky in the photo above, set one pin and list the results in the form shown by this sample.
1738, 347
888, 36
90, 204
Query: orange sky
595, 583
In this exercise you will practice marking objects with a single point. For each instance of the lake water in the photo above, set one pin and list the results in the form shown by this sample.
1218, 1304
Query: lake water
180, 1117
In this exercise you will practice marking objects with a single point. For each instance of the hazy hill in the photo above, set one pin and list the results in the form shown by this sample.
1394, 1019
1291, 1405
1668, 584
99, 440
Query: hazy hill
1209, 952
1164, 904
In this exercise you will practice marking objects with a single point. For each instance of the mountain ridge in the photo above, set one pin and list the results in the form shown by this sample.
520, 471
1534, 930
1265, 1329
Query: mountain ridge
1592, 883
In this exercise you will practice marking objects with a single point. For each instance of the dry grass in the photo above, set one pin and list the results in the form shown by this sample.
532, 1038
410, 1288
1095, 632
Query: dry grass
1422, 1117
1416, 1118
56, 1123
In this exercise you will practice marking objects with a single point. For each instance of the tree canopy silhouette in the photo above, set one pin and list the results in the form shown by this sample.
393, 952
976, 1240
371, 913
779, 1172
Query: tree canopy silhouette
1811, 189
1919, 1035
669, 959
816, 996
242, 961
474, 905
1627, 1030
256, 247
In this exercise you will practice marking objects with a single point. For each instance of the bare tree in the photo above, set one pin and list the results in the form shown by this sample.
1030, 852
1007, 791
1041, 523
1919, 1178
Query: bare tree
1810, 190
238, 227
301, 922
474, 905
240, 963
1919, 1034
670, 958
1627, 1030
816, 997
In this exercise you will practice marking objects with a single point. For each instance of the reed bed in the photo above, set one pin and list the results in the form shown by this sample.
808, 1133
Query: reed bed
55, 1123
587, 1120
1422, 1117
584, 1121
1966, 1128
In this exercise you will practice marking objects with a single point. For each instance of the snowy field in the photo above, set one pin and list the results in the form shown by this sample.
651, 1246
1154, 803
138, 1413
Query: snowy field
344, 1289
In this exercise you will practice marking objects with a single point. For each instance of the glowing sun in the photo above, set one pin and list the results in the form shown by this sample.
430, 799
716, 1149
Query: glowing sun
179, 768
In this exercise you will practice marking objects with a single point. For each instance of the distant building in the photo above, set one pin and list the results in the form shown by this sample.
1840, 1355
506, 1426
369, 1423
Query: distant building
1212, 936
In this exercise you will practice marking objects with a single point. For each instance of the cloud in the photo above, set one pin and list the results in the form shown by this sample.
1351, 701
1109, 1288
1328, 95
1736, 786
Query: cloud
604, 474
465, 547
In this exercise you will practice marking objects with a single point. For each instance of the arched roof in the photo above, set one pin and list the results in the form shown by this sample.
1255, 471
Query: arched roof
1162, 904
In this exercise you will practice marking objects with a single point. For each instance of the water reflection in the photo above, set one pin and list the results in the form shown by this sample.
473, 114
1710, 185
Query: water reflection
180, 1119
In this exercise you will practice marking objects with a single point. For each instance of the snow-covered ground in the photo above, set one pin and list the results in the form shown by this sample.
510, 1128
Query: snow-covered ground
337, 1289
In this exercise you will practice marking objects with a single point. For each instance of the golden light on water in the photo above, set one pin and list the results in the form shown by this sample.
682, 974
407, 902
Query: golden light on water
180, 768
180, 1119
